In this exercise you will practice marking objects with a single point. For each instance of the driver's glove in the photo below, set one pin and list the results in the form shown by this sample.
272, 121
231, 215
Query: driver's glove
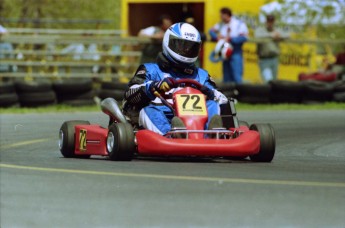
208, 92
163, 85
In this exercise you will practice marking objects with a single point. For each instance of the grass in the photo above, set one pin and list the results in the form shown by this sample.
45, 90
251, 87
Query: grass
291, 107
239, 106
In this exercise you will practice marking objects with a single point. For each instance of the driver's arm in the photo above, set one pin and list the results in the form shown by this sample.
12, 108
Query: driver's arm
210, 83
217, 95
137, 95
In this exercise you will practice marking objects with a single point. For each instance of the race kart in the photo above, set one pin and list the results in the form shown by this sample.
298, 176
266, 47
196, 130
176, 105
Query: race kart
120, 141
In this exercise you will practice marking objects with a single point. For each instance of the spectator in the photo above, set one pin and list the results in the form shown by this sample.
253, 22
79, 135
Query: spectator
5, 51
235, 32
268, 51
156, 33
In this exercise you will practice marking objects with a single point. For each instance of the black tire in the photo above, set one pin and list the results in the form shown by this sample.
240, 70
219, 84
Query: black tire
243, 123
72, 86
67, 138
81, 96
286, 91
7, 87
339, 97
267, 143
226, 86
123, 147
251, 99
116, 94
339, 86
114, 86
253, 94
37, 99
316, 91
8, 100
33, 87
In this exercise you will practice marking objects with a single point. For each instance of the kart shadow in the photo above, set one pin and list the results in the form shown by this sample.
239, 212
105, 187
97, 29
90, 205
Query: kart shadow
175, 159
194, 159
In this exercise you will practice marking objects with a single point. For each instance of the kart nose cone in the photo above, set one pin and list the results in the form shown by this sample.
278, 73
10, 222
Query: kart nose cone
60, 139
110, 141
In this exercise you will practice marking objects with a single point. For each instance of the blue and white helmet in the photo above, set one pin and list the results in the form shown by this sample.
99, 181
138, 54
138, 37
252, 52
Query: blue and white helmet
182, 43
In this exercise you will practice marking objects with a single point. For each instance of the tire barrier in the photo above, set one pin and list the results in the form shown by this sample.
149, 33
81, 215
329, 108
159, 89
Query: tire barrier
317, 92
8, 95
34, 94
115, 90
75, 92
228, 89
339, 91
81, 92
286, 92
253, 94
309, 91
7, 87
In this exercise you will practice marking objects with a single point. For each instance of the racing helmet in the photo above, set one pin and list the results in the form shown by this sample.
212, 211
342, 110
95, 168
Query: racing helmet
222, 51
181, 43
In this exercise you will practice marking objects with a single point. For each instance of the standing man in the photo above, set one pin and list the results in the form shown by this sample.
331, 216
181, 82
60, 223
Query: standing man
235, 32
156, 33
268, 51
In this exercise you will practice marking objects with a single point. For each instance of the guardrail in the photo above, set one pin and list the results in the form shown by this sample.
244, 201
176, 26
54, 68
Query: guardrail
39, 52
66, 31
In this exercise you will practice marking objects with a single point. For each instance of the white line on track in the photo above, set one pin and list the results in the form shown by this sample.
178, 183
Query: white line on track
24, 143
183, 178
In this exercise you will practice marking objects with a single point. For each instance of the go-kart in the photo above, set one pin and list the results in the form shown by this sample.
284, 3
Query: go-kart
120, 142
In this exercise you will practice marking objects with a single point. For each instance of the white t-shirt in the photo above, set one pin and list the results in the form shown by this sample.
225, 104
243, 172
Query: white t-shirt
234, 28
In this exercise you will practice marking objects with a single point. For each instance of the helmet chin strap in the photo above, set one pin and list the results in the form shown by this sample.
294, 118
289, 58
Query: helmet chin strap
167, 63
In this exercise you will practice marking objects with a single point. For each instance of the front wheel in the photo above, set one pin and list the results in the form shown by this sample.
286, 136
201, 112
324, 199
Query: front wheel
242, 123
120, 142
267, 143
67, 138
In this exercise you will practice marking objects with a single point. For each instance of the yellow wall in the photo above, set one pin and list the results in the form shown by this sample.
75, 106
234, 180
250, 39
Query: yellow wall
212, 17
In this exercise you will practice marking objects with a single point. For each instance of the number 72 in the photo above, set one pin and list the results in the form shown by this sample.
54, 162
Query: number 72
189, 99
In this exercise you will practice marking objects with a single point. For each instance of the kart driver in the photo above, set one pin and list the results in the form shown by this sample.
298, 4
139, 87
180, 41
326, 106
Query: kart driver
181, 46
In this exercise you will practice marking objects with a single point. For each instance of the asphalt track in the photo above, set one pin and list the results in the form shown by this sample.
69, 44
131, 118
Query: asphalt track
304, 186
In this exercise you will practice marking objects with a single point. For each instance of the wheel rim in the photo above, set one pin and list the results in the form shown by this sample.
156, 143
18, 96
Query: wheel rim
61, 139
110, 142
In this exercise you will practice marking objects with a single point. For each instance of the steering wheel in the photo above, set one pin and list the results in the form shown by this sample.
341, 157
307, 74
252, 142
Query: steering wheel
189, 82
186, 81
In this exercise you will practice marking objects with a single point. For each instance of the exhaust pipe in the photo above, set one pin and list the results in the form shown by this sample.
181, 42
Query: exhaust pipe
110, 107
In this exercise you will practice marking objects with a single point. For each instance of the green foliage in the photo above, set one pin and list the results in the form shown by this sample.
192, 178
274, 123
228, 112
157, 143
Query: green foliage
63, 9
326, 17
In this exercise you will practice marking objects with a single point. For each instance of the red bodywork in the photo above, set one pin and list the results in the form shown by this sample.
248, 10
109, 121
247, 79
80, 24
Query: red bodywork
92, 139
96, 139
150, 143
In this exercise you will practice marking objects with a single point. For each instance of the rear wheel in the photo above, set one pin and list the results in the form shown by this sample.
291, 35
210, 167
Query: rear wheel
267, 143
67, 138
120, 142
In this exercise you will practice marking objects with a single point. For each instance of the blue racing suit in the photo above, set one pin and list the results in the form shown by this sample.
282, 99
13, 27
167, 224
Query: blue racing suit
153, 114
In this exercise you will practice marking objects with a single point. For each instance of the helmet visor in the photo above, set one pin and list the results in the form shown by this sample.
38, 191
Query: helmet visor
185, 48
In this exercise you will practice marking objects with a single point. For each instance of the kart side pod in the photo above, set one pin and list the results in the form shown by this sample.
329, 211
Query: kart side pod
111, 108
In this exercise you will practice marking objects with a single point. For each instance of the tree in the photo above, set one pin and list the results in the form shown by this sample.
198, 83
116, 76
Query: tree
39, 11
